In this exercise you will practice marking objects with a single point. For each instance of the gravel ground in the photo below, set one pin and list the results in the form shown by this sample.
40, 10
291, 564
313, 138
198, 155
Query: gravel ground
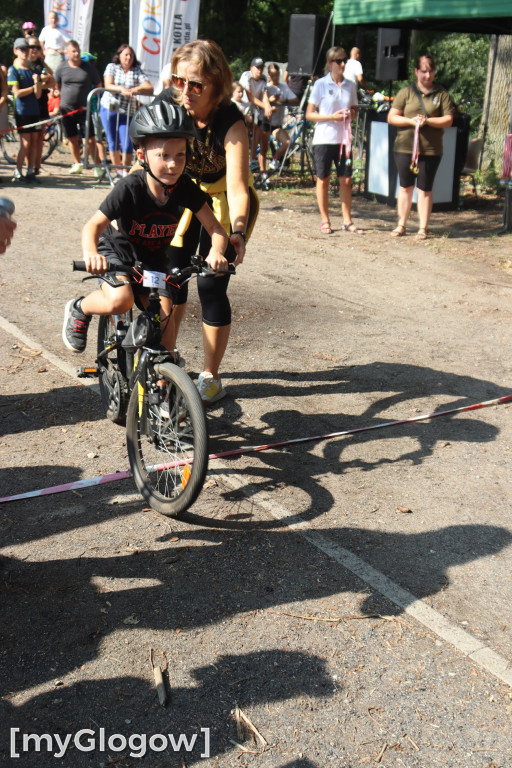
346, 595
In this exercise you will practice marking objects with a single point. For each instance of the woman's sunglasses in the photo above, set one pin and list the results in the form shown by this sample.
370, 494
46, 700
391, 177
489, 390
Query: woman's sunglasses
340, 61
193, 86
35, 47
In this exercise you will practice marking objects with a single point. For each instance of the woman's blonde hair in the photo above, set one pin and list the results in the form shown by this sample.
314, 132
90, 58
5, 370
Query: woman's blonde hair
211, 64
336, 52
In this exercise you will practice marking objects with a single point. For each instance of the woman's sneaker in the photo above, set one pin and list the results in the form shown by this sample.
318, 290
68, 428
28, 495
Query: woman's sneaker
76, 325
210, 389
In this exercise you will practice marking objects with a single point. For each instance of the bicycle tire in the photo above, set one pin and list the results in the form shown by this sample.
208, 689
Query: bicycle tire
52, 138
157, 444
113, 385
10, 142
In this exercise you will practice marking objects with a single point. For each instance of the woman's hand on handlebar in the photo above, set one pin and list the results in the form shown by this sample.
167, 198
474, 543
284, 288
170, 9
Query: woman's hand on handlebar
95, 263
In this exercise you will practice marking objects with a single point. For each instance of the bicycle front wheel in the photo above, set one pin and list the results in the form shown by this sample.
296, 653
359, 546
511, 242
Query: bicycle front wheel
167, 441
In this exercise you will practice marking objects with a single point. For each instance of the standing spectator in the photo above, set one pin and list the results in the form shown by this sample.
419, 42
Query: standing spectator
39, 66
332, 105
420, 111
54, 41
26, 88
29, 29
254, 83
296, 83
202, 83
124, 79
278, 96
354, 69
75, 79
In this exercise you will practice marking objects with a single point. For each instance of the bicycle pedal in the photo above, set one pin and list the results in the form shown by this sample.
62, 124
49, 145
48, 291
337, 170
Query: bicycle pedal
87, 373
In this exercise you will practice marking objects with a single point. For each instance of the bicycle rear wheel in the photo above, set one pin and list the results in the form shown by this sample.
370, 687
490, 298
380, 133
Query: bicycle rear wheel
52, 138
10, 141
167, 441
113, 384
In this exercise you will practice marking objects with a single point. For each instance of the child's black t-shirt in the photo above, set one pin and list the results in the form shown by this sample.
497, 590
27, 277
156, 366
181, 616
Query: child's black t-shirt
145, 227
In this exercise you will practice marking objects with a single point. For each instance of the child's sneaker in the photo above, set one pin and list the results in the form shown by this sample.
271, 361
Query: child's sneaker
99, 172
76, 325
17, 175
209, 388
76, 168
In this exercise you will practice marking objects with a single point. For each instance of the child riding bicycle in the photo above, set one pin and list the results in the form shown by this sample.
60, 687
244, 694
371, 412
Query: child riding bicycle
137, 221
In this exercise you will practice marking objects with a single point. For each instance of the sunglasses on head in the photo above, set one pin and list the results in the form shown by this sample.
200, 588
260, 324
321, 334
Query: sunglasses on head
182, 82
340, 61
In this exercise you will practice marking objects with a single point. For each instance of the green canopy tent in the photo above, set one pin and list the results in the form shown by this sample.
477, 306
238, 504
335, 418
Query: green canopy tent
484, 16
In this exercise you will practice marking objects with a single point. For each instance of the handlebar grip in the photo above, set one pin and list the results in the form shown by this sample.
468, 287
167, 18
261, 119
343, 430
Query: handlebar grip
79, 266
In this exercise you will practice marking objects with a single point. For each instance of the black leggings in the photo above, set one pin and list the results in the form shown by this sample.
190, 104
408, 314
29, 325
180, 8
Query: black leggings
215, 306
212, 291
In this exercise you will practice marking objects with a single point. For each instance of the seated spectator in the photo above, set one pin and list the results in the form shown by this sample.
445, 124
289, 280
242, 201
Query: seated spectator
26, 87
75, 79
54, 41
124, 79
296, 83
39, 66
278, 96
253, 82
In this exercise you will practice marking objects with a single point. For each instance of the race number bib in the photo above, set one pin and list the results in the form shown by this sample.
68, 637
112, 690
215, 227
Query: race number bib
154, 279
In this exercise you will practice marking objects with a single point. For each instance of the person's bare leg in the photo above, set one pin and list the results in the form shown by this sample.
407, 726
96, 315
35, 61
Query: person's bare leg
424, 208
173, 328
108, 301
24, 150
346, 198
404, 204
73, 148
322, 198
215, 341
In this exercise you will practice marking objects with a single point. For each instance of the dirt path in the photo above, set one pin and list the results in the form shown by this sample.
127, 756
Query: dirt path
349, 630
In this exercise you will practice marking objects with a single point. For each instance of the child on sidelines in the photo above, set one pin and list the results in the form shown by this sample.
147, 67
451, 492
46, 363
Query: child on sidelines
137, 221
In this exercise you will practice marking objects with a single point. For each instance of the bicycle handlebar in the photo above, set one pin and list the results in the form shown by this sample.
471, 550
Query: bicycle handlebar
197, 267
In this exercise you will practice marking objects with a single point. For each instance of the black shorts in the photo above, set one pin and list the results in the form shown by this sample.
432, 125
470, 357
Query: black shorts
74, 124
324, 155
26, 120
427, 167
265, 126
114, 260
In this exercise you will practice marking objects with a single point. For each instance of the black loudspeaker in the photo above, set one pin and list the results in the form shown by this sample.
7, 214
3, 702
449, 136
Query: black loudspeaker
391, 54
306, 32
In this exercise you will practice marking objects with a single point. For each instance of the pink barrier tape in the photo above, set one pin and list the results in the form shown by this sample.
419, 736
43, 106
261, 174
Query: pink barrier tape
49, 121
102, 479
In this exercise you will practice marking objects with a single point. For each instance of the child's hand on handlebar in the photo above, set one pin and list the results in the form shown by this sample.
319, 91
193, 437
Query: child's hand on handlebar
95, 263
217, 261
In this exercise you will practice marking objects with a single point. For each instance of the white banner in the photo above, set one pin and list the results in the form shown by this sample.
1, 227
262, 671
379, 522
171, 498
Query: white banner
74, 19
158, 28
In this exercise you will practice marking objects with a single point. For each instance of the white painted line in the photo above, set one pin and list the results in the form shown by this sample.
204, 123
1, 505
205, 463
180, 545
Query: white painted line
468, 645
53, 359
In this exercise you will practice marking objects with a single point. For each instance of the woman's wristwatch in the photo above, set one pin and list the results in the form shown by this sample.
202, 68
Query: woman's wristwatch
242, 234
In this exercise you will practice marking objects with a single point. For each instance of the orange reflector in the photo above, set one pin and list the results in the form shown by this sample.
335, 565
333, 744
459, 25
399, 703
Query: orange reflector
185, 477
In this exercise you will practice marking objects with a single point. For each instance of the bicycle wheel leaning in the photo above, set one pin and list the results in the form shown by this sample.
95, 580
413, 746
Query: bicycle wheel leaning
10, 141
167, 441
112, 381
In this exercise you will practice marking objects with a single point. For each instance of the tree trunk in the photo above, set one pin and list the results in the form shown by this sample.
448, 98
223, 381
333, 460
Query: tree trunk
496, 118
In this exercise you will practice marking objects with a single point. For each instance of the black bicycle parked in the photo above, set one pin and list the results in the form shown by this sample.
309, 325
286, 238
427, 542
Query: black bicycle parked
142, 384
